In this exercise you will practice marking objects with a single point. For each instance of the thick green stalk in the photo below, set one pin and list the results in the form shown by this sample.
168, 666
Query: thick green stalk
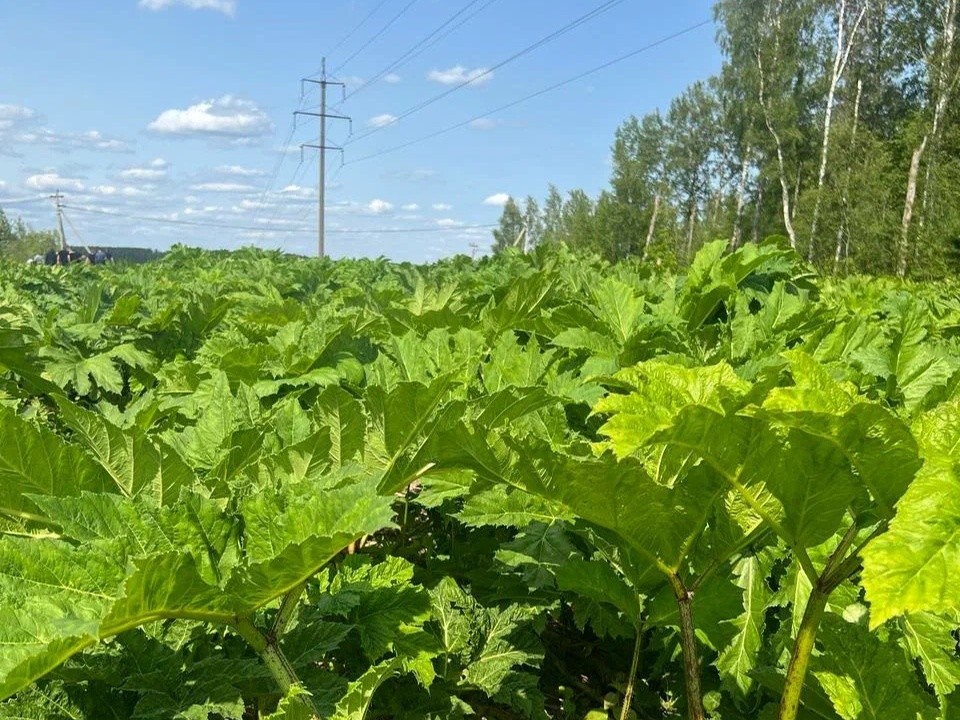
802, 650
688, 643
273, 659
285, 614
628, 695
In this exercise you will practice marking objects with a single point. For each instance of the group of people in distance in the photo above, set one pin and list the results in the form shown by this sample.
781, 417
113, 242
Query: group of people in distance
68, 256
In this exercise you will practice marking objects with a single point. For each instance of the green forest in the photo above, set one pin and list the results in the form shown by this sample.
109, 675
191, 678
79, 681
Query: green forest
832, 122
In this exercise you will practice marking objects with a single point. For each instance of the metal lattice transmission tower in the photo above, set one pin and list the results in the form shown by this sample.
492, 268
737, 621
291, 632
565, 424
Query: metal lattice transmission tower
322, 147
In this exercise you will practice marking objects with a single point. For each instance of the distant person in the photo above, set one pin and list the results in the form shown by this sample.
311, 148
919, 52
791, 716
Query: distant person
99, 257
50, 258
63, 257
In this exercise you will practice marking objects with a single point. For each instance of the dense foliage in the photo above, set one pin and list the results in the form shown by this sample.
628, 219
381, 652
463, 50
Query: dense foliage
19, 242
250, 486
834, 122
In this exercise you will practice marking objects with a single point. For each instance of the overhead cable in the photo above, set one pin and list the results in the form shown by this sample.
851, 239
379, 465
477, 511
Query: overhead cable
266, 228
375, 37
486, 72
538, 93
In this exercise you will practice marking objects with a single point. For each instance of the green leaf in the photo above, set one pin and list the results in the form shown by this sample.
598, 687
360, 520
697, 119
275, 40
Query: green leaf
538, 551
502, 648
866, 678
293, 533
658, 392
356, 703
930, 639
910, 363
912, 567
397, 423
738, 660
617, 306
34, 461
599, 582
135, 463
660, 523
342, 415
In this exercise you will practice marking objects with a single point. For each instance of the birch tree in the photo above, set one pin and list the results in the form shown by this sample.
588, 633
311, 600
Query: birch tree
943, 75
846, 38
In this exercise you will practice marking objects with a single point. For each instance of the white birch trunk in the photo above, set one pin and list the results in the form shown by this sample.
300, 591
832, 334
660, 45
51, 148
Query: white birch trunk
945, 86
842, 226
653, 226
840, 59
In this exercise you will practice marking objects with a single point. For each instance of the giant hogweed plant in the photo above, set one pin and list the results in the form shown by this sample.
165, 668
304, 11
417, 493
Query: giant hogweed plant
353, 490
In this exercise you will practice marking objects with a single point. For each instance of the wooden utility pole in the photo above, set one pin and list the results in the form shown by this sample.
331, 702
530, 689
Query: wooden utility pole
322, 147
58, 203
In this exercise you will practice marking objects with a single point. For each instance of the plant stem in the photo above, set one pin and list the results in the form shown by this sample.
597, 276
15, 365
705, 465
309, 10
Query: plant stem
628, 695
285, 614
688, 643
273, 658
802, 649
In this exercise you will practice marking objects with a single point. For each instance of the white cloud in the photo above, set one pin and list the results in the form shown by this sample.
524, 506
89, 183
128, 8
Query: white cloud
205, 210
159, 163
227, 116
459, 75
91, 140
497, 199
449, 222
142, 174
298, 191
110, 191
378, 206
239, 171
222, 187
247, 204
411, 207
53, 181
23, 125
483, 124
442, 207
15, 115
227, 7
95, 138
379, 121
392, 78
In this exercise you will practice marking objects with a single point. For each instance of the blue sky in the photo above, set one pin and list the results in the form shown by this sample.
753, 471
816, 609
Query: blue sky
181, 109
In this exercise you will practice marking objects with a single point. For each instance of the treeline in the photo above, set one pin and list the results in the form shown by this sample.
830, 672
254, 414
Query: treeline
832, 122
18, 241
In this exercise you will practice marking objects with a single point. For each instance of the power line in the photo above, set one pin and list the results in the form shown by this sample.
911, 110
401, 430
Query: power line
177, 221
596, 12
375, 37
283, 153
75, 231
531, 96
423, 44
354, 30
23, 201
266, 228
